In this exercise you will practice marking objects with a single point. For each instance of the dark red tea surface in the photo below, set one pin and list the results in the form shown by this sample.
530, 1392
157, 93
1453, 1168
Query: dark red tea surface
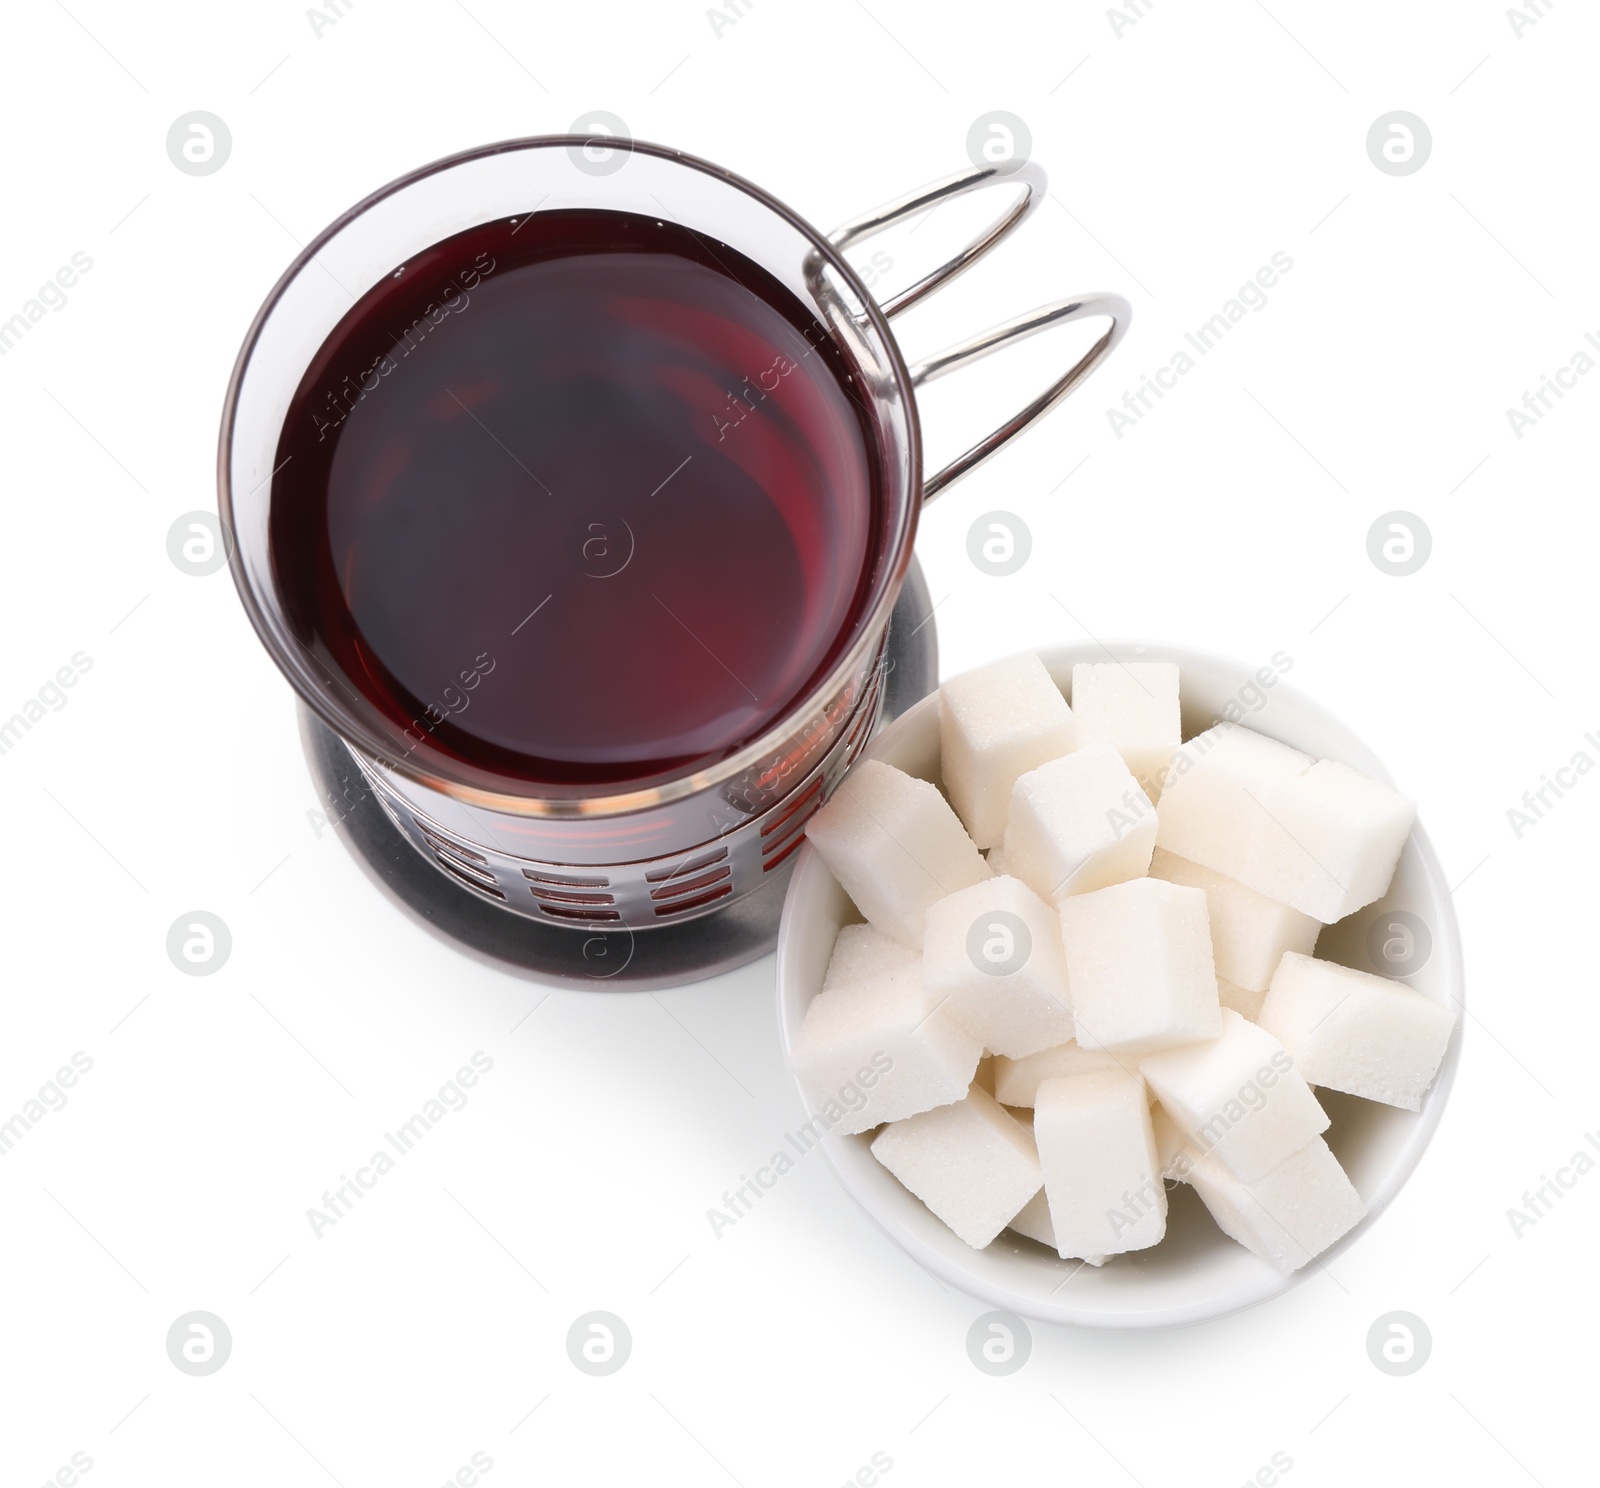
581, 498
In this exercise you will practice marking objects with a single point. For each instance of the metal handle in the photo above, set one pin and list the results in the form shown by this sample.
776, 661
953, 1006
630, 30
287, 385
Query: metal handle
1114, 307
1028, 175
1032, 179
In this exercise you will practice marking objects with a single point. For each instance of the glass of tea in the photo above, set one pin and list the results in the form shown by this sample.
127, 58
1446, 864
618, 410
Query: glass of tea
571, 482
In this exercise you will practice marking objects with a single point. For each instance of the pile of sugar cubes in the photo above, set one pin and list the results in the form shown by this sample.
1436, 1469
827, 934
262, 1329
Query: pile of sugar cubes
1090, 970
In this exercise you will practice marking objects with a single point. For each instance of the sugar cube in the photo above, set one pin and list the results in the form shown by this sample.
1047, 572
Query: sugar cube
1338, 836
1078, 824
992, 955
1101, 1174
1212, 809
1090, 970
1016, 1081
1313, 834
972, 1163
1249, 932
995, 724
895, 846
1362, 1034
1172, 1147
879, 1048
1139, 968
1289, 1215
1033, 1220
1133, 707
1237, 1097
859, 952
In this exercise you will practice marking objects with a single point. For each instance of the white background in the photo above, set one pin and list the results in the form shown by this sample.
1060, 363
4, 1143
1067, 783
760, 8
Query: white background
423, 1328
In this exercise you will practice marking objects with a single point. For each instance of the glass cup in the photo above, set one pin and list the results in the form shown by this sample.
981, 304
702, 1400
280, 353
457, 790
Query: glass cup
673, 848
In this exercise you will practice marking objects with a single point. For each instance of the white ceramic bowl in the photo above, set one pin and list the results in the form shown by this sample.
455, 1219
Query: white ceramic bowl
1196, 1272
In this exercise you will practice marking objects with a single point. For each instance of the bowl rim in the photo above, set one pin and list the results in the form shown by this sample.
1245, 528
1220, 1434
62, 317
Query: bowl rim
1271, 1283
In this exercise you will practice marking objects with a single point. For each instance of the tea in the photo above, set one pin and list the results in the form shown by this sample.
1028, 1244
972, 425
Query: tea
580, 498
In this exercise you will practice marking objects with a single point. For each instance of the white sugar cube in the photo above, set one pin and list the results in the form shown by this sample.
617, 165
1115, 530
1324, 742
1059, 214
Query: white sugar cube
1033, 1220
1139, 968
1249, 932
1288, 1216
1078, 824
880, 1049
1101, 1173
992, 956
895, 846
995, 724
1213, 808
1315, 835
1338, 836
972, 1163
1362, 1034
1237, 1097
996, 859
1017, 1081
1172, 1147
859, 952
1133, 707
1245, 1003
